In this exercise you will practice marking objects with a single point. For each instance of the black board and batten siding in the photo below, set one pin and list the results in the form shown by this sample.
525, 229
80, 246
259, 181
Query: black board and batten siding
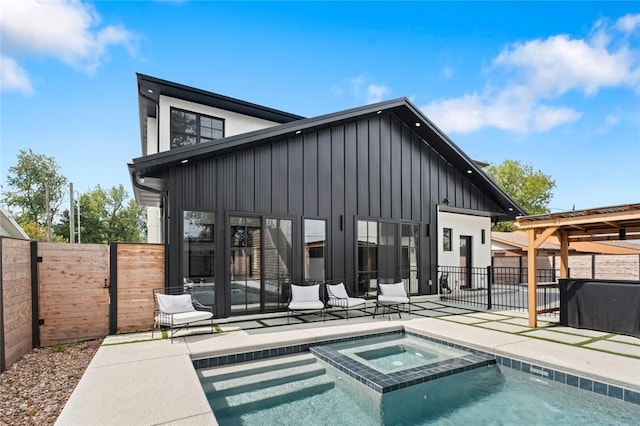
372, 167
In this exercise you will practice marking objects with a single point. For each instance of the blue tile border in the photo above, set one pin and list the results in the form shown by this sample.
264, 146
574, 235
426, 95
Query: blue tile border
590, 385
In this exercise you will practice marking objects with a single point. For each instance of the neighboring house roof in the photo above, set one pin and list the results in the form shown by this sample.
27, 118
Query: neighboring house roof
153, 165
9, 227
151, 88
518, 241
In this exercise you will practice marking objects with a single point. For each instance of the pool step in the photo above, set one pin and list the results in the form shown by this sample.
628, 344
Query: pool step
243, 369
264, 384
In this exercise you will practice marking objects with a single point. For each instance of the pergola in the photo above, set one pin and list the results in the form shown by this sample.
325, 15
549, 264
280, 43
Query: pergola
599, 224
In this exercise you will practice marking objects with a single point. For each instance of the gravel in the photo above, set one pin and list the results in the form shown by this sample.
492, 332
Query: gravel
34, 390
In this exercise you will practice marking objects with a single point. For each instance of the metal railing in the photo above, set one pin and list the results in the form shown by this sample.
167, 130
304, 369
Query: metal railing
498, 288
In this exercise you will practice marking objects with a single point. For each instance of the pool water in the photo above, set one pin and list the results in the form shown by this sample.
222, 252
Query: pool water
388, 354
484, 396
371, 381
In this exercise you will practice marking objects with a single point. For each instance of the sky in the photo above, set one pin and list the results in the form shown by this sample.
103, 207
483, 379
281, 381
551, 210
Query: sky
554, 85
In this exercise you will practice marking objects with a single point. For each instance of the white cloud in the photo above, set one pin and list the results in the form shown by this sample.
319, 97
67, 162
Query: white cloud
447, 72
545, 117
376, 92
13, 77
553, 66
363, 89
628, 23
67, 30
534, 73
612, 119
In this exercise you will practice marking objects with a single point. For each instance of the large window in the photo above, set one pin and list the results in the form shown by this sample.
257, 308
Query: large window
384, 256
409, 256
246, 268
261, 263
190, 128
367, 273
314, 249
198, 255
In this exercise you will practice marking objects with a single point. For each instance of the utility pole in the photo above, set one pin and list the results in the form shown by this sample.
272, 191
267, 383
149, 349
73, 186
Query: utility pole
78, 218
72, 230
48, 210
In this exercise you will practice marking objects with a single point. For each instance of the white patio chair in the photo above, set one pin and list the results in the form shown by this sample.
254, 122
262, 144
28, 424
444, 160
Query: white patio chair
177, 311
392, 296
306, 297
339, 296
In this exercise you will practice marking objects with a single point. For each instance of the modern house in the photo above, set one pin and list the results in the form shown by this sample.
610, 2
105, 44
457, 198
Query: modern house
249, 198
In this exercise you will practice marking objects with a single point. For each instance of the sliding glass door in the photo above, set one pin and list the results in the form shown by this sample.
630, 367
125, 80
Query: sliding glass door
260, 263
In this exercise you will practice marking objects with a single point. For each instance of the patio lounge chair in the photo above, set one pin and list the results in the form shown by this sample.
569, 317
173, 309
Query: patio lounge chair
177, 311
339, 296
306, 297
392, 296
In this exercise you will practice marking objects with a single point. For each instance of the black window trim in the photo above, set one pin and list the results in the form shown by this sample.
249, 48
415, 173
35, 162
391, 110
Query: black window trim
198, 124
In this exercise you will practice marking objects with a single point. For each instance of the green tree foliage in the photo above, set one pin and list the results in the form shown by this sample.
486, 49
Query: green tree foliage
106, 216
28, 182
531, 189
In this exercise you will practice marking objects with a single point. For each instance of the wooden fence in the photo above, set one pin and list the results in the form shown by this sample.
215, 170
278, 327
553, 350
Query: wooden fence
56, 293
590, 266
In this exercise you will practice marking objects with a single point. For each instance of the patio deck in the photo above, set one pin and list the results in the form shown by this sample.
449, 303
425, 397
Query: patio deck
135, 380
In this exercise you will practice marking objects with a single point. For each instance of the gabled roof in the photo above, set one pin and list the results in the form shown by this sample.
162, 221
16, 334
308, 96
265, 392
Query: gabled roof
151, 88
9, 227
402, 108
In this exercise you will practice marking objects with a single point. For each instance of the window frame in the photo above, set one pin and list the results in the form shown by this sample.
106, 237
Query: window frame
447, 237
198, 135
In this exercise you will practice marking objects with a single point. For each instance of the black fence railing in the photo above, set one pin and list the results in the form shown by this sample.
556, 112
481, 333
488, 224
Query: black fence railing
498, 288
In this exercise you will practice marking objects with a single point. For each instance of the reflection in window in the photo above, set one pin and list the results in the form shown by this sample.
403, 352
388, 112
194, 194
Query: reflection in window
190, 128
278, 255
198, 255
314, 249
367, 272
245, 263
409, 256
446, 239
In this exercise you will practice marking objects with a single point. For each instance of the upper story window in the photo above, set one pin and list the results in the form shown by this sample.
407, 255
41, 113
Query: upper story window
190, 128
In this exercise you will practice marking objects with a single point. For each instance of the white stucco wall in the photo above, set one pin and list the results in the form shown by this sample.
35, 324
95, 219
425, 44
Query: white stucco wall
154, 225
234, 123
461, 224
152, 136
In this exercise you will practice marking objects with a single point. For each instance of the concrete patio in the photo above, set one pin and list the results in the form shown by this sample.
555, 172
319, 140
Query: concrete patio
135, 380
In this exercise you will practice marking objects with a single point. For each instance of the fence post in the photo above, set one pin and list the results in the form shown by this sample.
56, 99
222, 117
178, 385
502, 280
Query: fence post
35, 294
113, 288
593, 266
489, 279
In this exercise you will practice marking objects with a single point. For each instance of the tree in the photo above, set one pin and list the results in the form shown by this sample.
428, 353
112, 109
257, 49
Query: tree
531, 189
29, 180
107, 216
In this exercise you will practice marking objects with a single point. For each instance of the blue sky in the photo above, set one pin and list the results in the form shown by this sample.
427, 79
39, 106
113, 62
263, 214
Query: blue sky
555, 85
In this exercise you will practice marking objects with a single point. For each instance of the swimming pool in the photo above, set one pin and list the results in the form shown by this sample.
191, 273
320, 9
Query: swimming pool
488, 394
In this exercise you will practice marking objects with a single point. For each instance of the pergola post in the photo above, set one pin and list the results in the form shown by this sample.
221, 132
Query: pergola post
532, 282
564, 254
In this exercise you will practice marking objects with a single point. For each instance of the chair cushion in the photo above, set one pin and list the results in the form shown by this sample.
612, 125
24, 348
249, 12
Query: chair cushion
396, 289
303, 306
183, 318
305, 293
392, 300
173, 304
337, 291
349, 302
